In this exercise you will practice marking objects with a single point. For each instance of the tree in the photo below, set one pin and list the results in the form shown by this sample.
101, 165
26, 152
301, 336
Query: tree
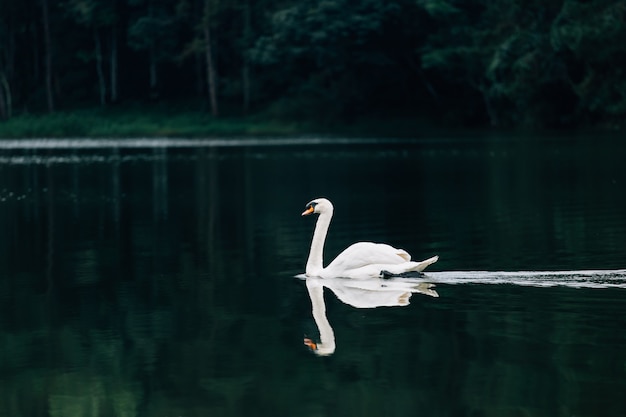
7, 58
45, 13
593, 37
211, 70
203, 15
502, 50
153, 30
246, 10
97, 15
341, 56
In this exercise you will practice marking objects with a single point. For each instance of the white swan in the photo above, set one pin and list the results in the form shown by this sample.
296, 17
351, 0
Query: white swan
360, 260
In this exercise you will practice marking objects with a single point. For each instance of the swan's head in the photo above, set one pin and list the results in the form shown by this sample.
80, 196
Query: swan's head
319, 205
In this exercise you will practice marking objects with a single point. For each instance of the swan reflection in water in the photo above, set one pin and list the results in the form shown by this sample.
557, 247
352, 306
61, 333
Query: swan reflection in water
369, 293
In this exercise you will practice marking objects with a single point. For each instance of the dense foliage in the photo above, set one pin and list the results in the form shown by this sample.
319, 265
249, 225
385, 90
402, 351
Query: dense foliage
549, 63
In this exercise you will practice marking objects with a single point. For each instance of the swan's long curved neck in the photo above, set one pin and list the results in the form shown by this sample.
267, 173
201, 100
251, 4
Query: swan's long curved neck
315, 264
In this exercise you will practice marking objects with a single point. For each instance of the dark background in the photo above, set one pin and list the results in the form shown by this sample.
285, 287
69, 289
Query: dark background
476, 63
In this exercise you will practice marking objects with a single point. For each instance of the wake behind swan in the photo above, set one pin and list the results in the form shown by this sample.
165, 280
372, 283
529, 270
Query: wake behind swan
574, 279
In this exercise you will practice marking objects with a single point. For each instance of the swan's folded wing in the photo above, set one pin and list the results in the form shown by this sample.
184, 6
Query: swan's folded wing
367, 253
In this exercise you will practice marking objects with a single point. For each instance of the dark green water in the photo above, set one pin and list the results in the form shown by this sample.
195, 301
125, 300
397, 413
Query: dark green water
158, 280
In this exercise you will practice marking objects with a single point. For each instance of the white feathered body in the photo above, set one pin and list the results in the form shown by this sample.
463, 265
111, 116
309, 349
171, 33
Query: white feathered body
368, 260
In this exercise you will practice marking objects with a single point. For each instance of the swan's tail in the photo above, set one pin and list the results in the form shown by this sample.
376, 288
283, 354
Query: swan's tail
407, 269
420, 266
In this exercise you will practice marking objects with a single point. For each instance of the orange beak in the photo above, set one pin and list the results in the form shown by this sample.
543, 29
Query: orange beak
308, 211
308, 342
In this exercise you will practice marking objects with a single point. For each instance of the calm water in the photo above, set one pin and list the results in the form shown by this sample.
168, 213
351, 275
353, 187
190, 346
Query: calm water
157, 278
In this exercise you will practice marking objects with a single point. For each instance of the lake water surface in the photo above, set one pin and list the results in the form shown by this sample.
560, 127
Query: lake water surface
159, 278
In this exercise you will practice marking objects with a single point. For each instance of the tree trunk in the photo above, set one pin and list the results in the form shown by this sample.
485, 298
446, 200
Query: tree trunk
101, 82
48, 54
7, 69
493, 116
208, 50
153, 73
36, 68
199, 67
6, 102
3, 101
114, 92
245, 71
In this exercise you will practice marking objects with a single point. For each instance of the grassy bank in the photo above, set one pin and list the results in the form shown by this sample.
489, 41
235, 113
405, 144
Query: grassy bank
140, 122
163, 121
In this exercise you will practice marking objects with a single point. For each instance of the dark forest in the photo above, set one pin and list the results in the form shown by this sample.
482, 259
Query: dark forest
473, 63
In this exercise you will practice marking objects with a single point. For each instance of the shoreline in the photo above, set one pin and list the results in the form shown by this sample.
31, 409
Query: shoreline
159, 122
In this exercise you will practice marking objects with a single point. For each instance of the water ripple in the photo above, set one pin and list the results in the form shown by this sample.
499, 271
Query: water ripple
92, 143
573, 279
